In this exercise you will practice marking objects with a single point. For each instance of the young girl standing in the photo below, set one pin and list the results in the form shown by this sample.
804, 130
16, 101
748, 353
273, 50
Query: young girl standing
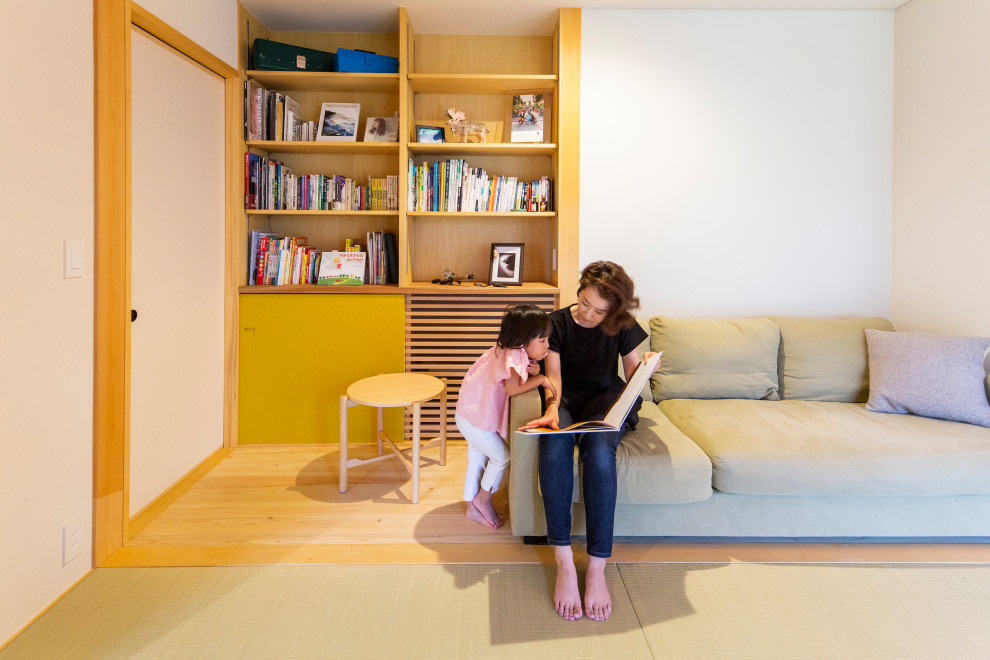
510, 367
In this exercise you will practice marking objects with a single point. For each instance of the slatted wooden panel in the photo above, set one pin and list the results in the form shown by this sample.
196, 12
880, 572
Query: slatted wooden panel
446, 333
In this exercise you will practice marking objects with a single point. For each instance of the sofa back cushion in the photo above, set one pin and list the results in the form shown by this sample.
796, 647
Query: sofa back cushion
825, 359
715, 359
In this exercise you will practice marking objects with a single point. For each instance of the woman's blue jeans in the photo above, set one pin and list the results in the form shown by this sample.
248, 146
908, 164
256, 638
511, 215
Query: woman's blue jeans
596, 452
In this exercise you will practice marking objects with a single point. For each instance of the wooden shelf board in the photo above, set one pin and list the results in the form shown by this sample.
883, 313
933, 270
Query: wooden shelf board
315, 288
479, 214
307, 147
467, 287
318, 212
455, 83
305, 81
492, 149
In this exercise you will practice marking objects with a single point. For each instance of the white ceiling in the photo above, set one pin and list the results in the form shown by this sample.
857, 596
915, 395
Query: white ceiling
523, 17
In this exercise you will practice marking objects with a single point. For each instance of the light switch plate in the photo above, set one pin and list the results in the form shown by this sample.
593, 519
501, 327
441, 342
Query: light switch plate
73, 258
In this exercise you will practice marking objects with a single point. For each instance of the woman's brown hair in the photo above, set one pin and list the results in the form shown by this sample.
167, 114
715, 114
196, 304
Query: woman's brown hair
616, 288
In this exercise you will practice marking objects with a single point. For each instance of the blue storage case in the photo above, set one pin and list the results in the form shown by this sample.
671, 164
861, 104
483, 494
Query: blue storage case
361, 61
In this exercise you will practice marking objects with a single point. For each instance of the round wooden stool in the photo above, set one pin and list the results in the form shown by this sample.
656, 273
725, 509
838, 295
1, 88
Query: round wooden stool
392, 391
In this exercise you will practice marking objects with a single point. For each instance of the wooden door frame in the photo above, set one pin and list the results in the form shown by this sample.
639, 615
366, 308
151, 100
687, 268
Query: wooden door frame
112, 22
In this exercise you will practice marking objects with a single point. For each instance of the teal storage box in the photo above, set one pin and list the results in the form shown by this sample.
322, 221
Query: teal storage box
362, 61
275, 56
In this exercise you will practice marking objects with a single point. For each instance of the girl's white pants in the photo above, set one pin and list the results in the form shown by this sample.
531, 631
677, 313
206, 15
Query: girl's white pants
488, 456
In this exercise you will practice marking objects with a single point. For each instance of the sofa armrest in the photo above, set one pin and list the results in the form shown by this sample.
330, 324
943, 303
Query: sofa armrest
525, 502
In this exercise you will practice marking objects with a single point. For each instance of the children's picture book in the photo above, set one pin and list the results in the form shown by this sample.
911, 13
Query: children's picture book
617, 414
339, 122
341, 268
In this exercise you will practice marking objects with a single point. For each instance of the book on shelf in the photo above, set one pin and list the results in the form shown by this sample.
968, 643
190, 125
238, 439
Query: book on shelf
341, 268
382, 263
339, 122
617, 414
454, 186
289, 119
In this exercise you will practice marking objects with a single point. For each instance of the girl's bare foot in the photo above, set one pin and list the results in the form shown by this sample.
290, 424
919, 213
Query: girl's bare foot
597, 600
473, 514
483, 503
566, 597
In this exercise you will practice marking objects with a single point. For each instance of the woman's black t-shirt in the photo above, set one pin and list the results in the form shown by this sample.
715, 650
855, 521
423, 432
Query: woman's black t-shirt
589, 359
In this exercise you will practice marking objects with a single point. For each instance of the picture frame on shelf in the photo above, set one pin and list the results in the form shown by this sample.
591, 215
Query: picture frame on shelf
527, 118
506, 264
338, 122
429, 134
381, 129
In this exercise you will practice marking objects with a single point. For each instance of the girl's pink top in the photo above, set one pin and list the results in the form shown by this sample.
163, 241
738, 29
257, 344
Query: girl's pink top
483, 400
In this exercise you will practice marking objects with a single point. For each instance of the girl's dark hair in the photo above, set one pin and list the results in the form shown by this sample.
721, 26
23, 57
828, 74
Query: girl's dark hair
616, 288
521, 324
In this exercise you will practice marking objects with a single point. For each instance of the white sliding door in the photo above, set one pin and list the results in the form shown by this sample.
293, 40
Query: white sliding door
177, 267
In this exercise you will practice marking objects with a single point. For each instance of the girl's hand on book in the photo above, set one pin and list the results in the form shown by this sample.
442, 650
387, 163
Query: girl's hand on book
646, 358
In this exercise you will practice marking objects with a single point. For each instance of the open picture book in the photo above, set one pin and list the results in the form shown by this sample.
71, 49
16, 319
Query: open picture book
617, 414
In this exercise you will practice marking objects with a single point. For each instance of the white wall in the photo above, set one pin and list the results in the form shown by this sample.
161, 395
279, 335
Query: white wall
46, 322
738, 162
941, 231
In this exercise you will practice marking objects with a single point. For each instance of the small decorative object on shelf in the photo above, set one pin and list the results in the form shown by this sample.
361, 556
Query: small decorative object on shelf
528, 118
466, 131
429, 133
506, 264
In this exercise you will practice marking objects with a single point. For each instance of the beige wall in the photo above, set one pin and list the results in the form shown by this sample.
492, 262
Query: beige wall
941, 222
46, 322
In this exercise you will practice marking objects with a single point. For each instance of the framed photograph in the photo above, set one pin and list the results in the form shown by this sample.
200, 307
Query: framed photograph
429, 133
381, 129
506, 265
338, 122
527, 118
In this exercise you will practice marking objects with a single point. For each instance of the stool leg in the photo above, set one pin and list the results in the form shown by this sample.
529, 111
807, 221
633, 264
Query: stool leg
415, 448
343, 443
381, 427
443, 423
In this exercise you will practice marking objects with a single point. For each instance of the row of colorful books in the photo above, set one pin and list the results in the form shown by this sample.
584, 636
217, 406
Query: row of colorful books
280, 260
271, 185
455, 186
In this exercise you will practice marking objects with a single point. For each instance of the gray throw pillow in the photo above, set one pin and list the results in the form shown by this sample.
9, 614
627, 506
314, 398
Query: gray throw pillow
928, 375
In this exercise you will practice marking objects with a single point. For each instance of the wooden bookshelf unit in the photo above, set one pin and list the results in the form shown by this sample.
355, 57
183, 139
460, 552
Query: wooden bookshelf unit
478, 75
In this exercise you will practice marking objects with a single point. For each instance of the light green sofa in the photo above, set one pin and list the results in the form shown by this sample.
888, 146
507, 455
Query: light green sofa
759, 428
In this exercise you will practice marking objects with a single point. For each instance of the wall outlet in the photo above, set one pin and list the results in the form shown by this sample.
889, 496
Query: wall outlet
71, 540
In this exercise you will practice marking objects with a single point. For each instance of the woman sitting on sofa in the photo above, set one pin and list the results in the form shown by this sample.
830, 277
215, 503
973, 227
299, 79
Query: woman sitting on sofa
586, 342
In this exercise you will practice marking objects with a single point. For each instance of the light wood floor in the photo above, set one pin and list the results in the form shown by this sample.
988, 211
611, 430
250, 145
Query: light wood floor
276, 504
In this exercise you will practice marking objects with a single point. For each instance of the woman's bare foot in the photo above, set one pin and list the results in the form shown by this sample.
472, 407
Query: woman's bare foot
473, 514
483, 503
566, 597
597, 600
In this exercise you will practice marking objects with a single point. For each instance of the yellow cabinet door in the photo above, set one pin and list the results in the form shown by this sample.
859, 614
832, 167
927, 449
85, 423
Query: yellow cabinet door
298, 354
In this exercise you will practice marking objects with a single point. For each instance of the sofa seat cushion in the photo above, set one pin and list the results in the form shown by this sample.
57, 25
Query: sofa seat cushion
657, 464
833, 449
